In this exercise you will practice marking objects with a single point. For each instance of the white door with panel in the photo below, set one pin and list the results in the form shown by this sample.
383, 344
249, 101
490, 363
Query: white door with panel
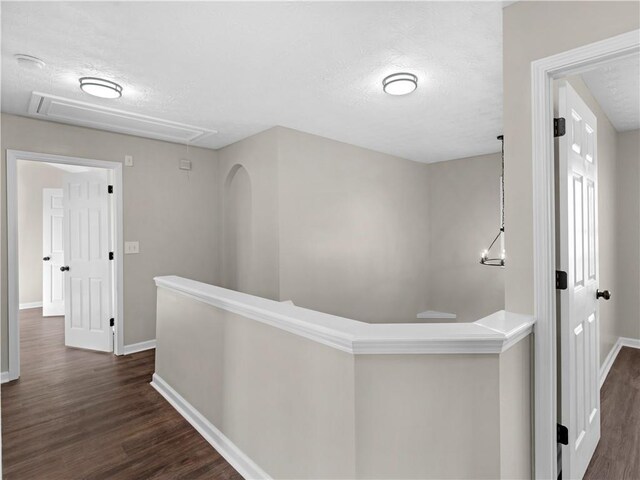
52, 252
88, 270
579, 316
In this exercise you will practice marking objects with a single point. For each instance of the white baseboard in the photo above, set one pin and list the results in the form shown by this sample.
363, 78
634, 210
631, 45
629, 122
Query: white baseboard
613, 354
25, 306
4, 377
139, 347
630, 342
225, 447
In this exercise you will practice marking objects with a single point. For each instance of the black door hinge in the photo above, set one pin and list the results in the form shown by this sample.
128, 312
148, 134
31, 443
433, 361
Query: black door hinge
112, 322
559, 127
110, 255
110, 189
561, 280
563, 434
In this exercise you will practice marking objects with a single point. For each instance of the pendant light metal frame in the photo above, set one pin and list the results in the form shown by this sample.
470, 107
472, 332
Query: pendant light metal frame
484, 259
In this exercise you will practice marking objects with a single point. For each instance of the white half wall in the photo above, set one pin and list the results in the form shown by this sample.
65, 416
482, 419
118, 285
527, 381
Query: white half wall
260, 381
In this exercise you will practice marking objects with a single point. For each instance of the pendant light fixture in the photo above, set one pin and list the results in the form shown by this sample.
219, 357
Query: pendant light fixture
487, 258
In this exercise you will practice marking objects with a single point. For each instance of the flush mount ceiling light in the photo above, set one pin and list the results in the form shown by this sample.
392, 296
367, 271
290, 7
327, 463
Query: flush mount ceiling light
29, 61
99, 87
400, 83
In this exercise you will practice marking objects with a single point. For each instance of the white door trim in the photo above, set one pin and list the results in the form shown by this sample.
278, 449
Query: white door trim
543, 72
12, 245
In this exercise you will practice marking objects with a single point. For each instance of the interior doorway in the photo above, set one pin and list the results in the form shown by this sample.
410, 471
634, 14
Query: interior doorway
598, 220
72, 208
577, 163
548, 364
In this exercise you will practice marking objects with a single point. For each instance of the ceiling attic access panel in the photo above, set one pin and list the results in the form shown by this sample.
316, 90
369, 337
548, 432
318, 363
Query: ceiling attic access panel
83, 114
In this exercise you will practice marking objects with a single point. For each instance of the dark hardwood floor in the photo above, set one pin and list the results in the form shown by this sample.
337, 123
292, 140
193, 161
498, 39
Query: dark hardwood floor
617, 456
76, 414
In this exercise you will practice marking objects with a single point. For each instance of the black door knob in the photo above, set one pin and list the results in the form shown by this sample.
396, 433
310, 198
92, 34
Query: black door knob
64, 269
46, 259
604, 294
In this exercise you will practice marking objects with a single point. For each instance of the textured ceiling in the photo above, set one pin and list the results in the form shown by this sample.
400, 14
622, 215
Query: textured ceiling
240, 68
616, 87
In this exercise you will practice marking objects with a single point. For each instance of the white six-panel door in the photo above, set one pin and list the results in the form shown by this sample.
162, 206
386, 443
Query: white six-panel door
579, 316
88, 283
52, 252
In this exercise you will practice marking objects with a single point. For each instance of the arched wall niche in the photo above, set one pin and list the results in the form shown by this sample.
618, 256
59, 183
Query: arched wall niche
237, 228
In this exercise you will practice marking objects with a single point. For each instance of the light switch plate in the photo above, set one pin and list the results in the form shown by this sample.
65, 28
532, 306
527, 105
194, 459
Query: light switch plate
128, 160
131, 247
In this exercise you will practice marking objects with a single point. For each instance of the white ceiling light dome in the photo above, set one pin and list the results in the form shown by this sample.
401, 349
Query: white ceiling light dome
400, 83
100, 87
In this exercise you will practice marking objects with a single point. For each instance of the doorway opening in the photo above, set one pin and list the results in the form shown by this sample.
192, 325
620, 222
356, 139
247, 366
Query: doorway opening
598, 221
585, 346
64, 219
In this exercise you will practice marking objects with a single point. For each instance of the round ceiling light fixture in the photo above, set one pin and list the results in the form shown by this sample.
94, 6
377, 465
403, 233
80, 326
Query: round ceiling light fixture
29, 61
400, 83
99, 87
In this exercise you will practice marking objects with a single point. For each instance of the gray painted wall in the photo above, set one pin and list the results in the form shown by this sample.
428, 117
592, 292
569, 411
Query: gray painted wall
258, 155
534, 30
333, 227
628, 239
365, 235
464, 217
171, 212
354, 229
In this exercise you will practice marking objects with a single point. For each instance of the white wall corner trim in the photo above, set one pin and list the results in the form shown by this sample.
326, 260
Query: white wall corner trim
225, 447
4, 377
26, 306
139, 347
543, 71
613, 354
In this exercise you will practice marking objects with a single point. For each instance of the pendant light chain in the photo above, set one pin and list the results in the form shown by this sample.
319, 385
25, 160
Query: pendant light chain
501, 138
484, 259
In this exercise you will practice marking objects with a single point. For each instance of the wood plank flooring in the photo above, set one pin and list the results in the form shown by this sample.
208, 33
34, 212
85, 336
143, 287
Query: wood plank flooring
76, 414
617, 456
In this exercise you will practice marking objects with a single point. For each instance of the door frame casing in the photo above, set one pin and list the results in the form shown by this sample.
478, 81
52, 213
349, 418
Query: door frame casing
13, 156
543, 72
